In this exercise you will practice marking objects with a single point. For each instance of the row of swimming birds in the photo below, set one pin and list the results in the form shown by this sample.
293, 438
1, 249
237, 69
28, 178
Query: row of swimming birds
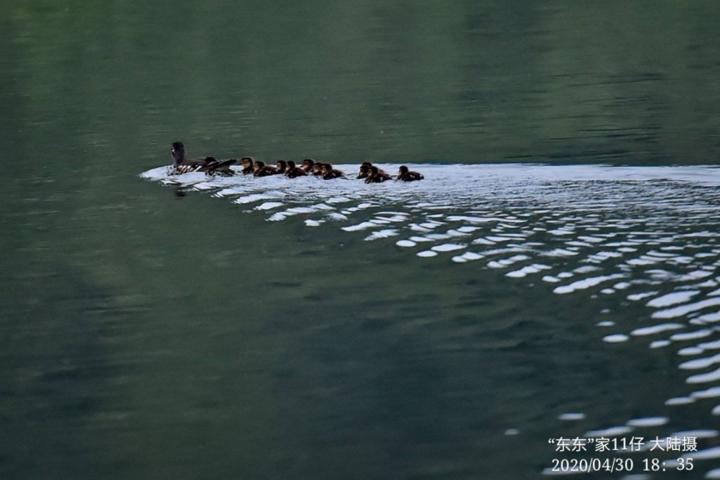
211, 166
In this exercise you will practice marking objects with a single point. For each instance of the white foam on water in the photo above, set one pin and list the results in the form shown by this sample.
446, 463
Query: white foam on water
300, 210
639, 296
506, 262
455, 233
681, 337
697, 274
387, 233
713, 474
337, 216
655, 329
586, 283
704, 377
255, 197
427, 253
405, 243
714, 345
616, 338
586, 269
448, 247
709, 317
672, 298
712, 392
496, 239
685, 309
688, 351
696, 433
609, 432
469, 256
269, 205
277, 217
571, 416
647, 422
707, 454
419, 239
525, 271
339, 199
360, 226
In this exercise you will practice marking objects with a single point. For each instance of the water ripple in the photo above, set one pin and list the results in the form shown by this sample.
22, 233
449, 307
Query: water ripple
641, 234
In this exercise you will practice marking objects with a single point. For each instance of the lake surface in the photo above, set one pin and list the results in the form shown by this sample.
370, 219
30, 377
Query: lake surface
161, 326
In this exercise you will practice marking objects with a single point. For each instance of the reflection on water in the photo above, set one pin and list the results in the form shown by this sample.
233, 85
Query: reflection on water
427, 330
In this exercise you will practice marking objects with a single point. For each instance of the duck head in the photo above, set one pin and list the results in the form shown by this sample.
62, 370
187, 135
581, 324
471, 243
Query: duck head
178, 152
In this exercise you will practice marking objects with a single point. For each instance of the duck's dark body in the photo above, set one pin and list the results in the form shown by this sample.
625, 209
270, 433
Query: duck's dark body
405, 175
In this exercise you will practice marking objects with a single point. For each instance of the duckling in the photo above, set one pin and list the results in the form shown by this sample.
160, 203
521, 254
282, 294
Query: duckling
329, 172
406, 175
180, 163
307, 165
317, 169
281, 166
248, 164
293, 171
262, 170
364, 170
377, 175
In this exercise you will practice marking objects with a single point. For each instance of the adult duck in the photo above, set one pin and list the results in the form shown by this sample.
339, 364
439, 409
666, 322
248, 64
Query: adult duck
180, 162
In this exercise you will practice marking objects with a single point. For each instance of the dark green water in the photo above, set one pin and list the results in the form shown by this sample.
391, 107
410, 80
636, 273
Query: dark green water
146, 335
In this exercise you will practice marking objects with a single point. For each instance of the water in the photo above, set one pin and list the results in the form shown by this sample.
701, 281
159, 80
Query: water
443, 329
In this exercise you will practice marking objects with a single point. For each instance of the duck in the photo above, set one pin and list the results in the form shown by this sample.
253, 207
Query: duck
281, 167
262, 170
294, 171
248, 165
180, 162
308, 164
405, 175
377, 175
364, 170
328, 172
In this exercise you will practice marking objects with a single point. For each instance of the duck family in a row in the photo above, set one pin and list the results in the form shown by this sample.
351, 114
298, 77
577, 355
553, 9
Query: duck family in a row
211, 166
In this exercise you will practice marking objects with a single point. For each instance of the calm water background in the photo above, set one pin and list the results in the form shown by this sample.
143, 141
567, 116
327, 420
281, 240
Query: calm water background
146, 335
